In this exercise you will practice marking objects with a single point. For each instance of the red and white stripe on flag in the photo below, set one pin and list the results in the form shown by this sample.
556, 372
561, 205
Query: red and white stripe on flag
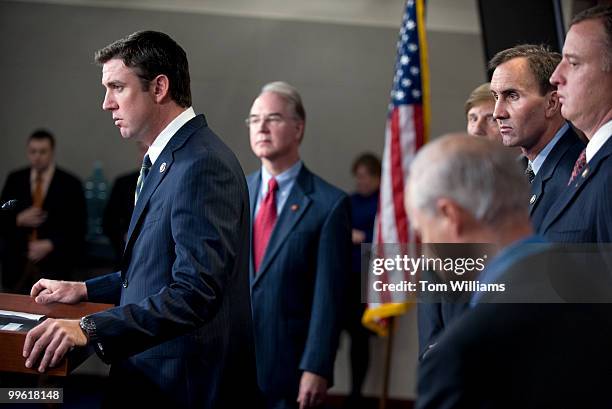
405, 132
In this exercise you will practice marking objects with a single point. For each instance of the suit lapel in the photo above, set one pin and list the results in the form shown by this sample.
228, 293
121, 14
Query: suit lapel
293, 210
577, 185
158, 172
536, 192
253, 182
548, 167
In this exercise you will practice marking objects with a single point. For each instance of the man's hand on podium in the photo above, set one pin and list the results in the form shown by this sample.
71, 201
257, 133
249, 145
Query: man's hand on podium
67, 292
49, 341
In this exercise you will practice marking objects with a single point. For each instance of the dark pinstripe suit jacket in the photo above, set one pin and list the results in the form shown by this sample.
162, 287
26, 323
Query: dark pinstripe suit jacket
181, 335
583, 212
552, 177
298, 292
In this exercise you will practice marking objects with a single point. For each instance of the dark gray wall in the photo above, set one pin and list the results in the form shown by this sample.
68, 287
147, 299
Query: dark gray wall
343, 71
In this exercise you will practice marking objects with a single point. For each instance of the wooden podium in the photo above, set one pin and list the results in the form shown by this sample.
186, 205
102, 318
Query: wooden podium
11, 342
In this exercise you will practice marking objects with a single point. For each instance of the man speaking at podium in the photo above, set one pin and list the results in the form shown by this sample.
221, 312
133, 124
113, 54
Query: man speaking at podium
180, 334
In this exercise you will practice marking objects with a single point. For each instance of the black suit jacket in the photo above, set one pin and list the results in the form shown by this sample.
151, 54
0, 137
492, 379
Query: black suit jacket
552, 177
65, 225
118, 212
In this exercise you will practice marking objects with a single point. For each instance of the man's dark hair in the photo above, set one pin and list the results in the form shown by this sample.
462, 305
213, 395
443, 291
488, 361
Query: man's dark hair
369, 161
42, 134
152, 53
541, 61
603, 14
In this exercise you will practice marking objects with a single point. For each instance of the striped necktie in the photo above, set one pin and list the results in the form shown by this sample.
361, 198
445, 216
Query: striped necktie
529, 172
144, 171
578, 166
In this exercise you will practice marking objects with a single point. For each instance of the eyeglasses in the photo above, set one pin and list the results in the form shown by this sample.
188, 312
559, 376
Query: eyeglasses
270, 120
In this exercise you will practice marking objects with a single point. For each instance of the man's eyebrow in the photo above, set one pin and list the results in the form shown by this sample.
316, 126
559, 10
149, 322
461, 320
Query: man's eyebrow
508, 91
270, 114
115, 83
570, 55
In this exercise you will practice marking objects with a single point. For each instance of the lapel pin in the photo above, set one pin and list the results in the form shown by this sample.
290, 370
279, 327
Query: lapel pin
162, 167
532, 200
294, 207
585, 173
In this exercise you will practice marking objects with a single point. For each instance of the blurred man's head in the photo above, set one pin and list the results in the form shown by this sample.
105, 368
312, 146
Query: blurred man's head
41, 150
479, 113
584, 76
527, 109
467, 190
366, 171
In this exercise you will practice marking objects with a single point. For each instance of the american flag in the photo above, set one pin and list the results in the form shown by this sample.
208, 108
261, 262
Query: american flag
406, 131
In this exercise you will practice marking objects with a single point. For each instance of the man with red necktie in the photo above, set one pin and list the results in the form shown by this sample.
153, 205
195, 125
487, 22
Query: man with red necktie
300, 254
583, 211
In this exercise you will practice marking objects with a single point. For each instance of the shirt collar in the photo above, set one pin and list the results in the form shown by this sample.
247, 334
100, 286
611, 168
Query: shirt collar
282, 178
541, 157
598, 140
164, 137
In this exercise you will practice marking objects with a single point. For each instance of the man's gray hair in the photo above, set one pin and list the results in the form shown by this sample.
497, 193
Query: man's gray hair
481, 176
290, 94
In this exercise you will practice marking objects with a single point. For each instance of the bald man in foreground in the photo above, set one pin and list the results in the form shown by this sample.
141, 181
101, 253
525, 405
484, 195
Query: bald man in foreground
524, 342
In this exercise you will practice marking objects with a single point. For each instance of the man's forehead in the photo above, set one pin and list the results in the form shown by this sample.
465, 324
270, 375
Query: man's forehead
268, 103
512, 74
113, 68
39, 144
583, 37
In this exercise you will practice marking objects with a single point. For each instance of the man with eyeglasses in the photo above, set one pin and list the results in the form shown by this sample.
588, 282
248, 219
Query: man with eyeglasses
300, 254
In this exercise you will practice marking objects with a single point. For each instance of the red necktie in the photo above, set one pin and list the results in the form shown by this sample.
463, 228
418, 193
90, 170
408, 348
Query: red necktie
264, 223
580, 164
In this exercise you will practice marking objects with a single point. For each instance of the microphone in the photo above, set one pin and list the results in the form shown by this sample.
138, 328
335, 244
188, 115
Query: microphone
9, 205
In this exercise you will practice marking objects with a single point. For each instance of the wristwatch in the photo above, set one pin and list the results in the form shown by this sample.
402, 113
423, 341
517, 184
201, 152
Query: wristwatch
89, 328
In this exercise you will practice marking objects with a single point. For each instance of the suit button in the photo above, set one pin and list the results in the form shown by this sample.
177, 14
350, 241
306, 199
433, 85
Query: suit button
125, 283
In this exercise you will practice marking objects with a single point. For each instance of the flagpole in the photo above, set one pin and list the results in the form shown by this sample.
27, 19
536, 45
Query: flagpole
387, 367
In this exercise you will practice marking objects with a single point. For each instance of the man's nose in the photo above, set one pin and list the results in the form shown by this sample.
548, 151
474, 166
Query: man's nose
500, 111
108, 103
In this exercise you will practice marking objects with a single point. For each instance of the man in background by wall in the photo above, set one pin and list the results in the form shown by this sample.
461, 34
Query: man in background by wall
45, 233
300, 256
119, 208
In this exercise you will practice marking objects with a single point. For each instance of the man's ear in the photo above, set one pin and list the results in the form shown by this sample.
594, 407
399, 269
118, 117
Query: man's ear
300, 125
161, 88
553, 106
454, 216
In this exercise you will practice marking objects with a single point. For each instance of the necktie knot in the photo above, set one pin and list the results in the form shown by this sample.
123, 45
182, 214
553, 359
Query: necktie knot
146, 164
272, 185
